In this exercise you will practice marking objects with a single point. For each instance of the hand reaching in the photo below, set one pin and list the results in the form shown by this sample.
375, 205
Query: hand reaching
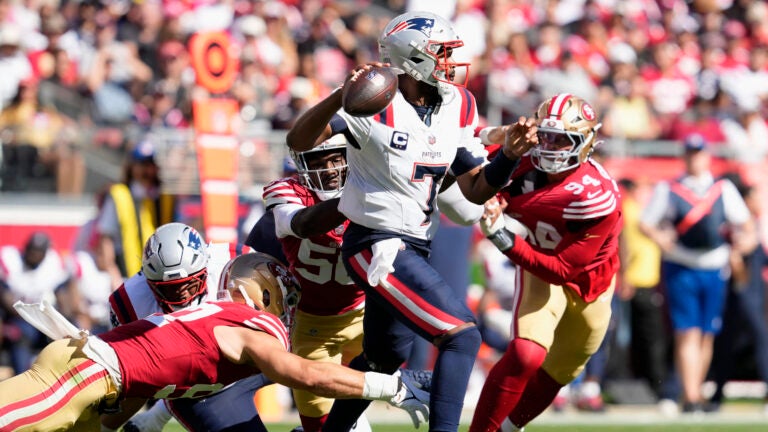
361, 69
493, 227
520, 137
412, 398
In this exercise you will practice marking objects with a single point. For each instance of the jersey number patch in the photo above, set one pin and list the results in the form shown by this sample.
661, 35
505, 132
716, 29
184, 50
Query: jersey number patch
325, 259
203, 311
434, 174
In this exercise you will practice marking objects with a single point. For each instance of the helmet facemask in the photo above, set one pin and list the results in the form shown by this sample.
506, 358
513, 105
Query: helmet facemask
567, 130
446, 69
175, 265
179, 293
324, 168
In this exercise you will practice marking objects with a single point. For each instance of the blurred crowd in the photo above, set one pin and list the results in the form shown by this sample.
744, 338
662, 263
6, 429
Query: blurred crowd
656, 69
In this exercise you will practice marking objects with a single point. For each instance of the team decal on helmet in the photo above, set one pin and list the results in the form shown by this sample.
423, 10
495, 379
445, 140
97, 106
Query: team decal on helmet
567, 133
421, 24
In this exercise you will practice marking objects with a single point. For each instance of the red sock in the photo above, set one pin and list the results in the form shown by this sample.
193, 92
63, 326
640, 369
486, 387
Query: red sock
539, 394
505, 384
312, 424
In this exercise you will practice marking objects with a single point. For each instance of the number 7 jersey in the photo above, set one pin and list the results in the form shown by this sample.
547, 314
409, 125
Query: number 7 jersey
397, 162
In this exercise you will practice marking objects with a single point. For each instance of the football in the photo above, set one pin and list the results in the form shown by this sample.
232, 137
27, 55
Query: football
370, 93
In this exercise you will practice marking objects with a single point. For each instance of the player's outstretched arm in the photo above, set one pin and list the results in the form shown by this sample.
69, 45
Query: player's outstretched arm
311, 128
245, 346
317, 219
480, 184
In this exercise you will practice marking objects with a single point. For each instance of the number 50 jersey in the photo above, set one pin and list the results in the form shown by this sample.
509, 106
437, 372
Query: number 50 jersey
326, 289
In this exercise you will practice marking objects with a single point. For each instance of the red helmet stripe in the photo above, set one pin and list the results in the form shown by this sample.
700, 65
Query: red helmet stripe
398, 27
557, 105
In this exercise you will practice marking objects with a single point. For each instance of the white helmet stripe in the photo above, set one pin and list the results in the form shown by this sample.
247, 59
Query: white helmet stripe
557, 105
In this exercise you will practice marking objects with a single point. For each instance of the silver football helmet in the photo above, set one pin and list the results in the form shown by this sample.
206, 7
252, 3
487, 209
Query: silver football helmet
262, 282
175, 263
567, 131
421, 44
327, 182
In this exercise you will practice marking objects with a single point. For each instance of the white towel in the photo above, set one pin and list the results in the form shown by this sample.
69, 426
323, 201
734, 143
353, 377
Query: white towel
48, 320
384, 254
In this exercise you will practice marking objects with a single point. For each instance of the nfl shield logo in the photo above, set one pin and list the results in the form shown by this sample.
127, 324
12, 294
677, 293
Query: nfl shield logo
376, 78
432, 140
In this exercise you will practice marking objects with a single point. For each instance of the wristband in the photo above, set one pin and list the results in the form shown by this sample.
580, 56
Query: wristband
379, 386
497, 172
502, 239
483, 135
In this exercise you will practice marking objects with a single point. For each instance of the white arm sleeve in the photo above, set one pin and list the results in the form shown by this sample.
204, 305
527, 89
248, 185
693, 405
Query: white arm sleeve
458, 209
284, 214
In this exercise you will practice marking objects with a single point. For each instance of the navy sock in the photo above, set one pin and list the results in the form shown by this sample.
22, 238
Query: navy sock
345, 412
449, 382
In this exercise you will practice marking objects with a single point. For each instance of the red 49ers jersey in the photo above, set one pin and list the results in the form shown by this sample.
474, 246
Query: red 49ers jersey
573, 226
176, 355
326, 289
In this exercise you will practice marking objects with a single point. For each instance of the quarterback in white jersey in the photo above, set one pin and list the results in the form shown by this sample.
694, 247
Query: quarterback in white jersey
398, 160
396, 172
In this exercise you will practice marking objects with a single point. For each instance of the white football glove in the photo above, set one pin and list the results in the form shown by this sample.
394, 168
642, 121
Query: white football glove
493, 228
382, 262
411, 398
151, 420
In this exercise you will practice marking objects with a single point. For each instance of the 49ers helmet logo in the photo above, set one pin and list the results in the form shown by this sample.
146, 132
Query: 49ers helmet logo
587, 112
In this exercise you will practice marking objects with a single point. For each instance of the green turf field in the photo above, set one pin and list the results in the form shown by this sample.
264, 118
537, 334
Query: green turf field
671, 427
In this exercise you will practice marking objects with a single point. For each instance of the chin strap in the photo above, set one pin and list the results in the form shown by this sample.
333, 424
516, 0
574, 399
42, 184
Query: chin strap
248, 300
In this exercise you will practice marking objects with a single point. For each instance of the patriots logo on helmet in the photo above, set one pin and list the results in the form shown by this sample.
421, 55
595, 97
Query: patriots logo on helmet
423, 25
194, 241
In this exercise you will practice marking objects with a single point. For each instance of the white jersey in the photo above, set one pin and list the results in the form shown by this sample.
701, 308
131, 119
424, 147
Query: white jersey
397, 162
134, 299
32, 285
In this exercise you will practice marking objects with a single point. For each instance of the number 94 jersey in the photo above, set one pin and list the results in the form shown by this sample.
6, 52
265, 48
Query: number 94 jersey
573, 226
326, 289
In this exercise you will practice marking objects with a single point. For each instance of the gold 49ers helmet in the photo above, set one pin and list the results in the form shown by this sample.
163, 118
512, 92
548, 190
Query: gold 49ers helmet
262, 282
567, 131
